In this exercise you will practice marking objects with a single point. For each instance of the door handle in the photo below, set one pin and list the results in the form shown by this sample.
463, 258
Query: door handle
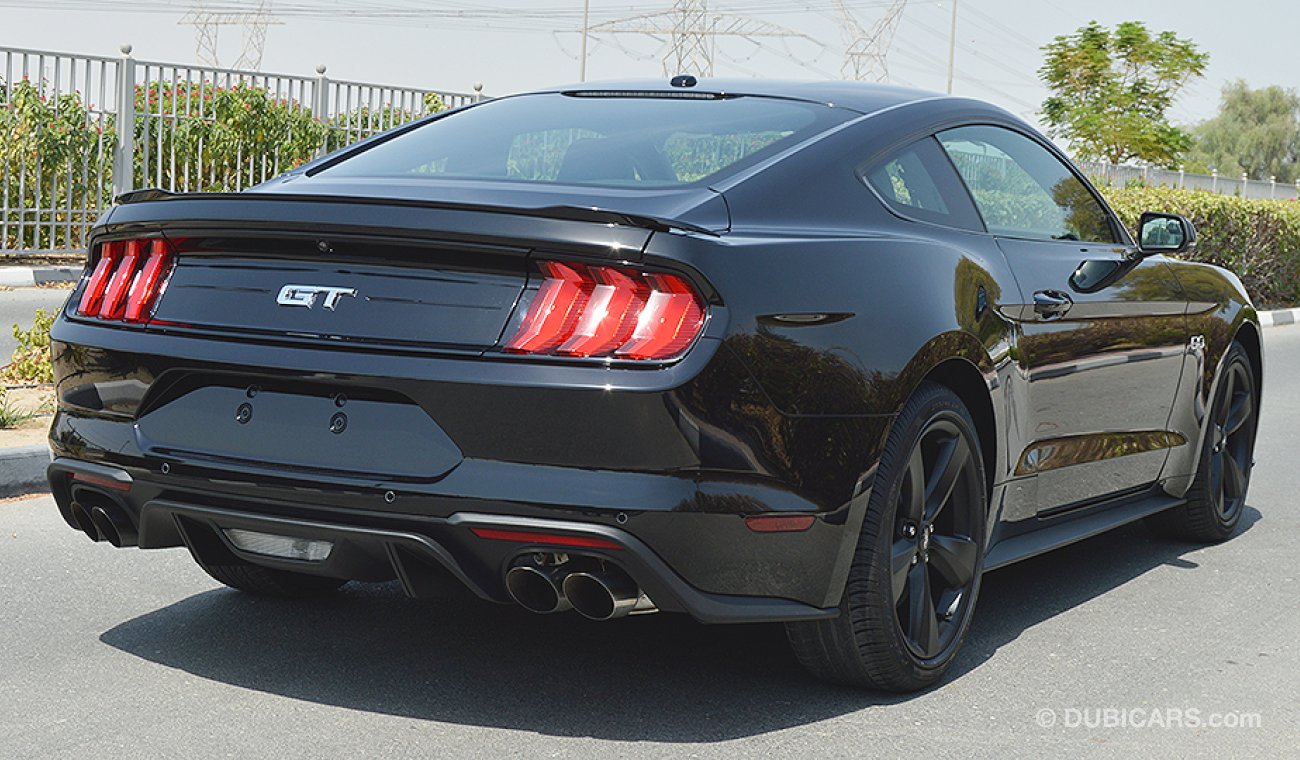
1051, 303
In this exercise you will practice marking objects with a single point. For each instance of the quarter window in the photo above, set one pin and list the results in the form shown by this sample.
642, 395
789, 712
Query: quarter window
918, 182
1022, 190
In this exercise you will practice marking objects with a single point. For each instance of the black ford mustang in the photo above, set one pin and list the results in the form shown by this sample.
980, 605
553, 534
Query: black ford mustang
811, 353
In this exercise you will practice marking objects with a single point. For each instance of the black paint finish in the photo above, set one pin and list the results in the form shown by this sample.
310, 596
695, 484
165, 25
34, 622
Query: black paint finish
826, 310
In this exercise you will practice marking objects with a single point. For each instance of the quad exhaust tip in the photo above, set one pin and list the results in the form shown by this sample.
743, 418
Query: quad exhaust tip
84, 522
113, 525
104, 521
599, 594
537, 589
605, 595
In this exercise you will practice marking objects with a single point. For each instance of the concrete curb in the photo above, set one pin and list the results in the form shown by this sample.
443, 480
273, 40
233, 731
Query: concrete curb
22, 469
1279, 317
27, 277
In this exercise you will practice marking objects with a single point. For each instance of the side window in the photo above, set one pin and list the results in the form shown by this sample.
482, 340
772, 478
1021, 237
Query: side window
1021, 189
918, 182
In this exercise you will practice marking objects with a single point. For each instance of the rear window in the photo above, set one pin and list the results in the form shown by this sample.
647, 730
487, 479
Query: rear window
613, 140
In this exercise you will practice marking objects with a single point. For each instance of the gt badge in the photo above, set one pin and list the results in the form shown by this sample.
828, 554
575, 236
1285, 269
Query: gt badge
305, 295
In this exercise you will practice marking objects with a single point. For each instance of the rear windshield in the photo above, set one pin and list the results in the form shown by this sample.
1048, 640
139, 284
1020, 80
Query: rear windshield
610, 140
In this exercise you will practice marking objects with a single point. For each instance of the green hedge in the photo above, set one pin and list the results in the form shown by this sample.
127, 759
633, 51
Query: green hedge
1257, 239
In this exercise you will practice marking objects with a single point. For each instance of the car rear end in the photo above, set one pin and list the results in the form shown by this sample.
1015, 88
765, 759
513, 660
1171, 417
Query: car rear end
517, 398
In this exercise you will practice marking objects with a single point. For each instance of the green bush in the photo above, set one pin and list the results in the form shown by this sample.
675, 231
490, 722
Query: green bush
1257, 239
42, 144
30, 362
221, 138
10, 415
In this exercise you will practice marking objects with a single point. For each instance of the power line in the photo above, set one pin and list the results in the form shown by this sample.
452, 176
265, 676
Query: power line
692, 31
700, 33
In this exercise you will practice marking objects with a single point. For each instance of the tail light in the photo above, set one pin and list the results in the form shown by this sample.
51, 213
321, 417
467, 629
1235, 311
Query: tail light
127, 279
603, 311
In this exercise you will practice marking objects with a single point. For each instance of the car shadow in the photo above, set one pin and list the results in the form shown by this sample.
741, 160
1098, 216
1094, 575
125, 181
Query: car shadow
658, 678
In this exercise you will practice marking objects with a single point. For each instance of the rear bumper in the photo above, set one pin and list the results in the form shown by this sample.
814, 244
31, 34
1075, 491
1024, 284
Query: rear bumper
763, 573
672, 459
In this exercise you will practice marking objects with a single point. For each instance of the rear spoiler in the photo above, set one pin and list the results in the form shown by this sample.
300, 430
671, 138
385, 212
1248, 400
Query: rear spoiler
561, 212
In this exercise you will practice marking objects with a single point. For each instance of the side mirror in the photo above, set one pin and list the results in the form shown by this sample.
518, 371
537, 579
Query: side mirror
1164, 233
1095, 274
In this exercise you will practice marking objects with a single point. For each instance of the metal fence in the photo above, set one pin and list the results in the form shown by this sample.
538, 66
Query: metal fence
1120, 176
78, 130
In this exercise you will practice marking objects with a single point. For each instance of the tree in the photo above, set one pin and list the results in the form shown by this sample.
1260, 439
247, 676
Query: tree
1256, 132
1111, 91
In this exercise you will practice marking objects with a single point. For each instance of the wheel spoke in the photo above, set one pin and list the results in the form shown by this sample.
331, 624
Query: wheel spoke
900, 562
1216, 480
954, 558
914, 502
1234, 479
949, 602
948, 467
1229, 390
1238, 413
922, 621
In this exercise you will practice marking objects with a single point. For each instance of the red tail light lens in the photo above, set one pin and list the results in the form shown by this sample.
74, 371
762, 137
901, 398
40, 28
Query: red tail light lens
127, 280
148, 283
109, 257
601, 311
114, 305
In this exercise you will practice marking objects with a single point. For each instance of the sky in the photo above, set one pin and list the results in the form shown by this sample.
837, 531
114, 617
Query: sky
511, 45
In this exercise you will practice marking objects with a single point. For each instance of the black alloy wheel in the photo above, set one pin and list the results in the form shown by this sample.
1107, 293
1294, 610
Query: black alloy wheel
1232, 440
911, 589
934, 556
1217, 496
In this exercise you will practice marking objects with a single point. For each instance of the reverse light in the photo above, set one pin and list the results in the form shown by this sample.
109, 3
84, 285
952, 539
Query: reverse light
127, 279
603, 311
284, 547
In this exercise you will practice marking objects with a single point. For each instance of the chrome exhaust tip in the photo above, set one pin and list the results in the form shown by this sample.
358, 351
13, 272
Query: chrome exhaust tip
606, 595
537, 589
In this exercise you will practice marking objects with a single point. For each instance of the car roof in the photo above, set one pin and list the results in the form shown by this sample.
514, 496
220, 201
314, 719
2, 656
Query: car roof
863, 97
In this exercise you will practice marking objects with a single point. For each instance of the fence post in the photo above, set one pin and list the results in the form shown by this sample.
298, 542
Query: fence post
320, 106
1182, 173
1245, 184
1214, 180
124, 150
478, 91
1272, 187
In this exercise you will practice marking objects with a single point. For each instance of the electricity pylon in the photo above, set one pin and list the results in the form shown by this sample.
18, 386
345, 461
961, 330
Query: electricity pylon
207, 24
866, 51
692, 31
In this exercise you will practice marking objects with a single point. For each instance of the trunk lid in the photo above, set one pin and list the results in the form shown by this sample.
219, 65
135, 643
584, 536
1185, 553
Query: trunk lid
452, 299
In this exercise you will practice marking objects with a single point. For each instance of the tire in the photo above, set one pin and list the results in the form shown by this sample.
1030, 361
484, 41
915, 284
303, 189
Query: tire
266, 581
1217, 495
891, 634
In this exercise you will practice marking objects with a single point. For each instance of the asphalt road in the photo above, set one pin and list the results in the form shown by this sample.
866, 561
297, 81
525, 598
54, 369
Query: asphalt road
1121, 643
18, 306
